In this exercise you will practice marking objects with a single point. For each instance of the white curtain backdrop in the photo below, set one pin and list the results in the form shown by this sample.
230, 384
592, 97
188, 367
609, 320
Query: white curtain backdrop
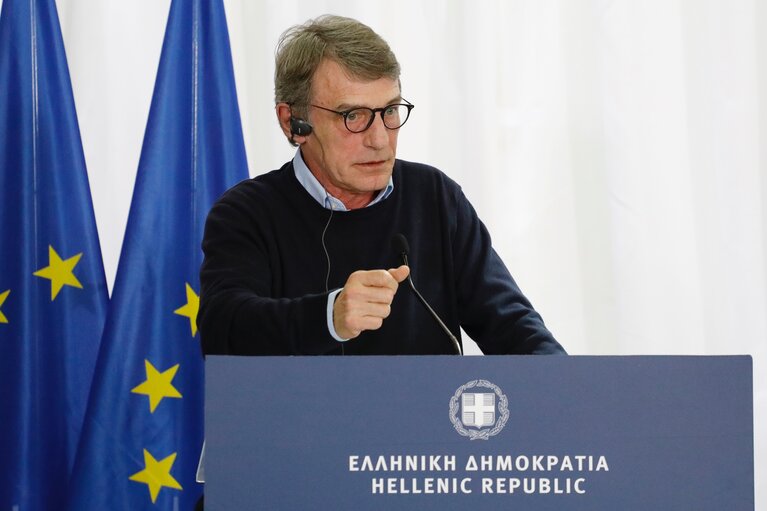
617, 150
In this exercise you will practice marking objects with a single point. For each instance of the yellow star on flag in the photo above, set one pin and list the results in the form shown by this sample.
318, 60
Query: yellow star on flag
3, 296
59, 272
156, 474
190, 309
157, 385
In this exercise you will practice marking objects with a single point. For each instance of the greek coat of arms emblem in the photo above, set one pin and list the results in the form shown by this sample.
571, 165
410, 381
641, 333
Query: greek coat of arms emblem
479, 410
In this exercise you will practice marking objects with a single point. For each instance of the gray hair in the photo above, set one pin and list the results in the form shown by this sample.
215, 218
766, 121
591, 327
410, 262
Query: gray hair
355, 46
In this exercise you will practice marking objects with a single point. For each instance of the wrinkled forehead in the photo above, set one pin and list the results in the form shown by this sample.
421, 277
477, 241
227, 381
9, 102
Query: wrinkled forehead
335, 87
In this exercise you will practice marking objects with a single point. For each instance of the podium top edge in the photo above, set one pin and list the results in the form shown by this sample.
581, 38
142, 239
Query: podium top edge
584, 356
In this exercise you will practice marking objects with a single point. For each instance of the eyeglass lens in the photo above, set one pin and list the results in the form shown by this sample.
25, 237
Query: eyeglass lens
394, 116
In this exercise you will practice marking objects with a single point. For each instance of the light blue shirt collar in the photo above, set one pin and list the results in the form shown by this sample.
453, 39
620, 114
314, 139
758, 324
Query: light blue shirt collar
315, 189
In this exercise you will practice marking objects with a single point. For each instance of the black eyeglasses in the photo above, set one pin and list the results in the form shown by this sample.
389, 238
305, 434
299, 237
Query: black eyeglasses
359, 119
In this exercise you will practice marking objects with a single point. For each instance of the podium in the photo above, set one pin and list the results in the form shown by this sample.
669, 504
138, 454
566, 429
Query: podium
480, 433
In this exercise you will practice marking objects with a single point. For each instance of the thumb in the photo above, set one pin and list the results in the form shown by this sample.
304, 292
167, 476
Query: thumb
400, 273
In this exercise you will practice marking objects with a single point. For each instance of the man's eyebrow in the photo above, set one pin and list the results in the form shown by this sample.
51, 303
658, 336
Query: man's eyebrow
350, 106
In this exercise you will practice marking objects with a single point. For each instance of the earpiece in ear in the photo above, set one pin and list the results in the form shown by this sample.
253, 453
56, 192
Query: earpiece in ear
300, 127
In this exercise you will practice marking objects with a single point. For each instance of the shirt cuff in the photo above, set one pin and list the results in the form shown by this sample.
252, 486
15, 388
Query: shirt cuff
331, 328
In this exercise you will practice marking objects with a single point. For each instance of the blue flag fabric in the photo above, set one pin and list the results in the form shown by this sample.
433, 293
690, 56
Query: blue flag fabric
144, 427
53, 293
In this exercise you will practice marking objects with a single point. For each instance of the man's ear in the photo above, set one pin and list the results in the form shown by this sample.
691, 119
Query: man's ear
284, 116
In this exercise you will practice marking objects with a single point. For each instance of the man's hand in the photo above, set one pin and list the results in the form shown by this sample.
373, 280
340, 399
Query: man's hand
365, 300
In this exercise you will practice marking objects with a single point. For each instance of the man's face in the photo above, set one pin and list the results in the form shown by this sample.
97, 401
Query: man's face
351, 166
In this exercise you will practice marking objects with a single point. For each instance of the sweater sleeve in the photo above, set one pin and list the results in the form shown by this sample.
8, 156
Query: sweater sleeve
238, 313
493, 310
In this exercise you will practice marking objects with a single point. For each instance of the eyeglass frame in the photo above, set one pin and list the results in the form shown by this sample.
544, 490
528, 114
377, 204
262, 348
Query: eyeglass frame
345, 113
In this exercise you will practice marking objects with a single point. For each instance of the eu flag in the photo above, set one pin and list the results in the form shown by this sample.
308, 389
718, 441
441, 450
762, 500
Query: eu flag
53, 294
144, 427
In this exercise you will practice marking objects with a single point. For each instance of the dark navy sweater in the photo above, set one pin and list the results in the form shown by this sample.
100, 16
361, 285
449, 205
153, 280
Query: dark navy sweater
263, 276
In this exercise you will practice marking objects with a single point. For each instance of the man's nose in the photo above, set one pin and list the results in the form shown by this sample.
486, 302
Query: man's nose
377, 136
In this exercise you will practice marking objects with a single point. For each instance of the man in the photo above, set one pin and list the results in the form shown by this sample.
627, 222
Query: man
300, 261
